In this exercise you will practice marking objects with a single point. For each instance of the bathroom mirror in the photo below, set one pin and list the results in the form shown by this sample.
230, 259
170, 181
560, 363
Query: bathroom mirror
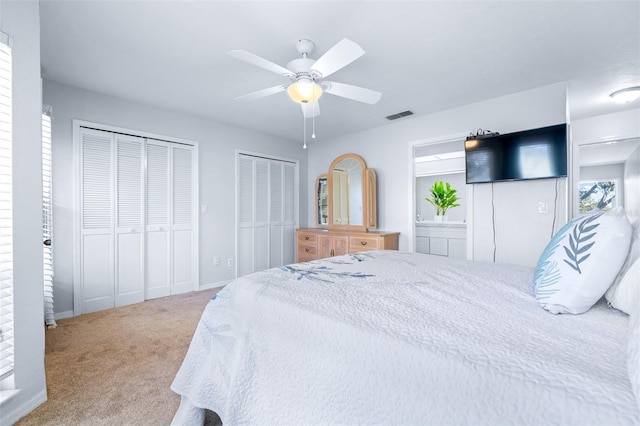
608, 176
322, 201
350, 204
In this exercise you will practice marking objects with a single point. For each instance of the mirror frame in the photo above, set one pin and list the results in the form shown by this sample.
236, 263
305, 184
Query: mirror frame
365, 214
317, 205
371, 199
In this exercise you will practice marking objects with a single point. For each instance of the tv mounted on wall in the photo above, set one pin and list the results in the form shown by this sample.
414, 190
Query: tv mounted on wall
530, 154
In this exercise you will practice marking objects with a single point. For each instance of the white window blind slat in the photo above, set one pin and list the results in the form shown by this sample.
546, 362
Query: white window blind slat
6, 223
47, 221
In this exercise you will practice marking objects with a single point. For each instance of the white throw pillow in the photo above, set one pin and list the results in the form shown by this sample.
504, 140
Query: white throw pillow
581, 261
620, 301
627, 294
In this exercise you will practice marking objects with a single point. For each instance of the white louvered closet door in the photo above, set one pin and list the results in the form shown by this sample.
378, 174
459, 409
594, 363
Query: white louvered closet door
261, 224
245, 215
276, 219
96, 234
129, 230
158, 263
289, 213
266, 213
182, 218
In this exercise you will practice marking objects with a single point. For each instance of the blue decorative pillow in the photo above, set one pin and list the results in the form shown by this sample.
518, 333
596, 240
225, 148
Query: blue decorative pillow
581, 261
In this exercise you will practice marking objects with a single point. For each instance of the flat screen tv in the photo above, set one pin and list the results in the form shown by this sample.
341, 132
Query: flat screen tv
530, 154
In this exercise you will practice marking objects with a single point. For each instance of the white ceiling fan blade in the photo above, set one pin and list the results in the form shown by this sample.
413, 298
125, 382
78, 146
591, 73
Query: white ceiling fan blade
262, 93
258, 61
339, 56
310, 110
348, 91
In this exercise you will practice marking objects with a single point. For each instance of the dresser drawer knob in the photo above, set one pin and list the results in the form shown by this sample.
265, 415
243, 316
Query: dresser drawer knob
364, 243
306, 237
306, 249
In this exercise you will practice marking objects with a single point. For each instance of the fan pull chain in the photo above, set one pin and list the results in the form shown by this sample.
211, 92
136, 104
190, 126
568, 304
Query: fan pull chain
304, 131
313, 119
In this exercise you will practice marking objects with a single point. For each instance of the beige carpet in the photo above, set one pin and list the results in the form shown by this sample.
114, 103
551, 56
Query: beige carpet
115, 367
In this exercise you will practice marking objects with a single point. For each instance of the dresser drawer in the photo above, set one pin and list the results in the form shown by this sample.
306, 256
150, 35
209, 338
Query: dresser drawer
363, 243
307, 251
307, 239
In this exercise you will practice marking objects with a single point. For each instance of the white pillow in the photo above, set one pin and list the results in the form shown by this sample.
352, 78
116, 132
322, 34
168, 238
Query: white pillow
626, 297
619, 301
581, 261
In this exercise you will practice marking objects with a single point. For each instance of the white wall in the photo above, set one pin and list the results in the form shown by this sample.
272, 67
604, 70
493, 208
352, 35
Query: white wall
619, 125
387, 150
217, 144
21, 20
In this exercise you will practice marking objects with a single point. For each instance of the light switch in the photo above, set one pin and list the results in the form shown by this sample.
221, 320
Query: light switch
543, 207
204, 209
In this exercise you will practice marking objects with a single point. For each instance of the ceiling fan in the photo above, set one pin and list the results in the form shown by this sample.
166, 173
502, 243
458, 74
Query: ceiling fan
307, 75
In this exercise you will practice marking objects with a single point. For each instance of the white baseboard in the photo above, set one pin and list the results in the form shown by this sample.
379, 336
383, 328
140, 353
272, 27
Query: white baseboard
214, 285
15, 414
62, 315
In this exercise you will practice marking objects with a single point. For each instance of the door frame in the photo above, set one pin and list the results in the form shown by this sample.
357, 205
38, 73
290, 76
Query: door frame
77, 202
411, 184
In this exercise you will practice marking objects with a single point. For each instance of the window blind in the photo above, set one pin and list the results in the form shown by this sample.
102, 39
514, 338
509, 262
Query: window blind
47, 219
6, 211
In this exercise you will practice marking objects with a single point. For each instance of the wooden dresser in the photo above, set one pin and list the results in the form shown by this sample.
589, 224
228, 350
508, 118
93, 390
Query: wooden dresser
316, 243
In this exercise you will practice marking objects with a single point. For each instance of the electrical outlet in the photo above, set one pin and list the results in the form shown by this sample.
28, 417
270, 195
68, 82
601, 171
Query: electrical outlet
204, 209
543, 207
229, 262
216, 261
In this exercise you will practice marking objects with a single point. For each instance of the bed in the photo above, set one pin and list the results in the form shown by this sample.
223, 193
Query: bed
386, 337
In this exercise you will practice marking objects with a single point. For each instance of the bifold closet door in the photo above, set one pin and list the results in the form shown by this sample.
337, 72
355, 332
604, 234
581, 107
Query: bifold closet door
158, 238
96, 221
170, 230
266, 213
282, 214
182, 218
129, 230
112, 245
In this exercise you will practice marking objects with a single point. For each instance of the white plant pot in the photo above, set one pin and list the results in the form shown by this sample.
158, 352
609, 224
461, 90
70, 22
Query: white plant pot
438, 218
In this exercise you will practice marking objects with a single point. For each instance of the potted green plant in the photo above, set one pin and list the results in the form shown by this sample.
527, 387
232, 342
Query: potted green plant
443, 198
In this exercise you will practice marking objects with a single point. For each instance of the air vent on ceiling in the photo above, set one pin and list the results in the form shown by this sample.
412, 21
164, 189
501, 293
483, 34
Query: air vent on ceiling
399, 115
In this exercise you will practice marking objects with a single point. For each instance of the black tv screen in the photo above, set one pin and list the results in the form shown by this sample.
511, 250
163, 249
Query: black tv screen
531, 154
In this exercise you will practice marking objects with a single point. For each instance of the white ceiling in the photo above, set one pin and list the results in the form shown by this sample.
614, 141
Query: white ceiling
425, 56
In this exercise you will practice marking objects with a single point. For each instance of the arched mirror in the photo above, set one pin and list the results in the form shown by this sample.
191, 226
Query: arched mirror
350, 205
322, 201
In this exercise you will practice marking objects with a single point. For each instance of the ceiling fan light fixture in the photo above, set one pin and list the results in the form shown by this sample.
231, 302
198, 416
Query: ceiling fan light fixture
304, 91
627, 95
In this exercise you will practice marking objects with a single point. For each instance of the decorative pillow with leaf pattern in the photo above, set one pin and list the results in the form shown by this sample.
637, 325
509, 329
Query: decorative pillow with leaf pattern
581, 261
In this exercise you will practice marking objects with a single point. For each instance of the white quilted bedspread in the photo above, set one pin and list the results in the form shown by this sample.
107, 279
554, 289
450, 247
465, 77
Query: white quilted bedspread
396, 338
